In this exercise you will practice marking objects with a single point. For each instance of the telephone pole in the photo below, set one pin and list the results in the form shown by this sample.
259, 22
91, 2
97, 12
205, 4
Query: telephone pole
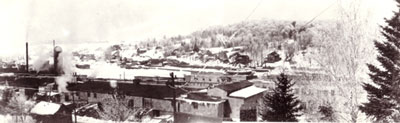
75, 106
173, 77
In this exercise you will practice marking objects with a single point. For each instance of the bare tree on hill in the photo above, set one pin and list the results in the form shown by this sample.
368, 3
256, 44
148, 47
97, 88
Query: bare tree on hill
344, 50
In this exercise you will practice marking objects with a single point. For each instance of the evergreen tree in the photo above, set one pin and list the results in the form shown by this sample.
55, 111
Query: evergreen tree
196, 48
281, 104
383, 93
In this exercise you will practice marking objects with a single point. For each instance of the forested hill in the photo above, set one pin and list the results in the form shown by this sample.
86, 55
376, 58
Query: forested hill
257, 37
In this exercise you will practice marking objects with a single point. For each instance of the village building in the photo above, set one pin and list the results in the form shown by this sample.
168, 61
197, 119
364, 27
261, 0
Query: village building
205, 80
241, 99
226, 101
154, 97
48, 112
223, 101
201, 104
267, 84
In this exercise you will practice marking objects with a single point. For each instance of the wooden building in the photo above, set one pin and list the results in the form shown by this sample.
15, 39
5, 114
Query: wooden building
48, 112
241, 99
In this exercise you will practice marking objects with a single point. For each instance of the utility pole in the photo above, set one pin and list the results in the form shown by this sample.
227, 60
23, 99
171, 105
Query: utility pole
173, 77
73, 102
27, 57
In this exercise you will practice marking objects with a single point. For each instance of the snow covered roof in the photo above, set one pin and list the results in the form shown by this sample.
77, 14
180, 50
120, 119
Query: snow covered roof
215, 50
7, 74
113, 71
261, 81
48, 93
201, 97
232, 87
247, 92
190, 101
45, 108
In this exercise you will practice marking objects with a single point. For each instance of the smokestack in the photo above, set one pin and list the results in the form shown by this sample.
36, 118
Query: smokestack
27, 57
57, 51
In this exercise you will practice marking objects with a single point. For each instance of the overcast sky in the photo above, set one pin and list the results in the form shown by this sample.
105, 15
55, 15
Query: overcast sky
73, 21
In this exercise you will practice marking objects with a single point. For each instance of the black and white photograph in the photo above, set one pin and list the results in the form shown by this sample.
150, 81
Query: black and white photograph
199, 61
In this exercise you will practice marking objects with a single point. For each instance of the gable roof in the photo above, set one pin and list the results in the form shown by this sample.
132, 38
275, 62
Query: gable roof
231, 87
148, 91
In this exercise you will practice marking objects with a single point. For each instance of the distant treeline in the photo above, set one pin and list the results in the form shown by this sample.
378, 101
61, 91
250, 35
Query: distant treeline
257, 37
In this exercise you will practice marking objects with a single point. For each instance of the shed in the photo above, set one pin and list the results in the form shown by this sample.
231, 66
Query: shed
48, 112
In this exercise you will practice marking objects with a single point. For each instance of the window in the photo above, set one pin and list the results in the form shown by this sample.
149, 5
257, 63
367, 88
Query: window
66, 98
94, 95
147, 103
131, 103
88, 94
195, 105
156, 112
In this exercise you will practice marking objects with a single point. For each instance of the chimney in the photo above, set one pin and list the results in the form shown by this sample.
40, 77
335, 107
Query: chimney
57, 51
27, 57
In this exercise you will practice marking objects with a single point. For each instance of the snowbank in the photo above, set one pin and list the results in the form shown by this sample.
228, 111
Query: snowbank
113, 71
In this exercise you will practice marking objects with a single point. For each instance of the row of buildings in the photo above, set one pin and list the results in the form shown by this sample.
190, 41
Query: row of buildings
212, 96
221, 101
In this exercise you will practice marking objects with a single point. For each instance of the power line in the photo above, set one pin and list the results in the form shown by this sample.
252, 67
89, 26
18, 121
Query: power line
258, 4
319, 14
251, 13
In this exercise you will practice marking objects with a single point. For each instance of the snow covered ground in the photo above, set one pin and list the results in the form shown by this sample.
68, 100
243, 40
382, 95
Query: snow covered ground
108, 70
83, 119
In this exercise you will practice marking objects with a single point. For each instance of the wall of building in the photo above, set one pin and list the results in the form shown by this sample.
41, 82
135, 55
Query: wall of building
252, 102
138, 102
217, 92
235, 104
214, 78
160, 104
202, 109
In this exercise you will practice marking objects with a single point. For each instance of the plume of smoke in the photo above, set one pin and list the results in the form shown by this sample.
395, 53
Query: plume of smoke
62, 82
66, 67
65, 63
42, 62
113, 83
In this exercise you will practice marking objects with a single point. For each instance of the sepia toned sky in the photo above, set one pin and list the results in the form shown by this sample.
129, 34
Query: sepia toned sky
76, 21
